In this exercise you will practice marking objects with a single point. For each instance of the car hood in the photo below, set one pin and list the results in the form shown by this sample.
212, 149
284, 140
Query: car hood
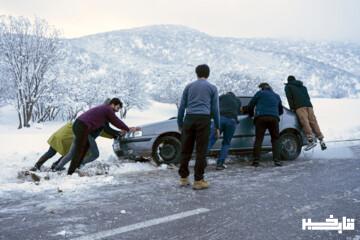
159, 127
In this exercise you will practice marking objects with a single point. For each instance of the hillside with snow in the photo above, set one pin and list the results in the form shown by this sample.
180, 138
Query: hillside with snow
164, 53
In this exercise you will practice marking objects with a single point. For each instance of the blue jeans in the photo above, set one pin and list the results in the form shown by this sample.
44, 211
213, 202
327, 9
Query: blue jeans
227, 128
92, 154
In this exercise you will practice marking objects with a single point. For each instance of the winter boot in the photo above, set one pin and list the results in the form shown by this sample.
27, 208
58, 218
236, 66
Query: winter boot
201, 184
39, 163
255, 164
221, 167
323, 145
36, 167
184, 182
277, 163
311, 144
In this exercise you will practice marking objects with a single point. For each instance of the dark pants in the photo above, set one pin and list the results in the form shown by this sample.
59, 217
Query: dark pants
46, 156
81, 132
227, 128
261, 124
196, 128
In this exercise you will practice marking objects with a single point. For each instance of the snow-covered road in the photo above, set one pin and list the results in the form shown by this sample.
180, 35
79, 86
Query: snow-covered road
136, 200
242, 203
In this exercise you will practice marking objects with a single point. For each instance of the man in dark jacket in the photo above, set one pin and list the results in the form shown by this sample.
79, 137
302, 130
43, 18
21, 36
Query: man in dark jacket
201, 101
229, 110
299, 101
89, 122
267, 107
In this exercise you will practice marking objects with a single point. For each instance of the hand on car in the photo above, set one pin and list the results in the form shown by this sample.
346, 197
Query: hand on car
134, 129
217, 133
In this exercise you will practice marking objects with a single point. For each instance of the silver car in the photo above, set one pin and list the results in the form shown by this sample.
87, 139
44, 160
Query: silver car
161, 140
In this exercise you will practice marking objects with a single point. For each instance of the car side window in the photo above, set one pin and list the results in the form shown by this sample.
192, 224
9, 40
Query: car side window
244, 102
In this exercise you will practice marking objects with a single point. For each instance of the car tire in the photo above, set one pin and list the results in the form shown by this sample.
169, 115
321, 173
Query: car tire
166, 150
290, 147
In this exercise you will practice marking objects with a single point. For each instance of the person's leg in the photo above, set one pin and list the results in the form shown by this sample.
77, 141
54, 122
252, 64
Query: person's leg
81, 133
260, 128
228, 133
202, 127
46, 156
314, 124
93, 152
53, 166
66, 158
303, 117
187, 146
273, 126
212, 138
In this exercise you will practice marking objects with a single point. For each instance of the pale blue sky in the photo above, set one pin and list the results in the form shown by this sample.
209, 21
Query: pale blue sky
298, 19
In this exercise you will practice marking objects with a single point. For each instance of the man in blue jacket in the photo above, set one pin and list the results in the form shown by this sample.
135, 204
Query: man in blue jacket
200, 100
267, 107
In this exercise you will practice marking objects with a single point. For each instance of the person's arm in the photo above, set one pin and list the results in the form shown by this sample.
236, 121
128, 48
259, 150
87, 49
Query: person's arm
250, 107
114, 120
183, 105
289, 97
281, 109
215, 109
307, 95
110, 131
239, 105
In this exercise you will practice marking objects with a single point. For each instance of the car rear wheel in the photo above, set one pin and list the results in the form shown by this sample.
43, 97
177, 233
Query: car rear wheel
290, 146
166, 150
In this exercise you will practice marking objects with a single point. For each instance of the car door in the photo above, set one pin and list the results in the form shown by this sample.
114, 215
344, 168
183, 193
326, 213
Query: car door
244, 136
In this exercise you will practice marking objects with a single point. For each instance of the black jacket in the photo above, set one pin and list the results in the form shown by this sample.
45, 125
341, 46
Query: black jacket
229, 105
297, 95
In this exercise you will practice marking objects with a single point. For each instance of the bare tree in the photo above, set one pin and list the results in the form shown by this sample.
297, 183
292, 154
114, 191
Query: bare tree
30, 50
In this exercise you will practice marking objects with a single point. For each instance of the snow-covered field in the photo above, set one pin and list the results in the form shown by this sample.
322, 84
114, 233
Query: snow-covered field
20, 149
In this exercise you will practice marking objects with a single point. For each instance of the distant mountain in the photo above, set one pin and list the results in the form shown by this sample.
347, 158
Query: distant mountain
164, 51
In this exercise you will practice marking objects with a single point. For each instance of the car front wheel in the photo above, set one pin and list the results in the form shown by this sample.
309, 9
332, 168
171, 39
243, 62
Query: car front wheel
290, 146
166, 150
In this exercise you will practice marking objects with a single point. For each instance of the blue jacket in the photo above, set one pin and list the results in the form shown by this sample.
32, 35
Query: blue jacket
200, 97
266, 103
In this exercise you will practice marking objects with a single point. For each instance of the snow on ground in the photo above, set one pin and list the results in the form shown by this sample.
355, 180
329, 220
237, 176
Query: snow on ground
338, 118
20, 149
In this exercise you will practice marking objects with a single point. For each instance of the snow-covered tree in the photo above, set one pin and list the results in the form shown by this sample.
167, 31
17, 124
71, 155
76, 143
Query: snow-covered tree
6, 95
240, 84
30, 50
129, 87
169, 88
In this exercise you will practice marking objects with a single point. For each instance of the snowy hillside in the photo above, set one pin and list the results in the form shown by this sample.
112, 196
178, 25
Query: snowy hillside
167, 52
